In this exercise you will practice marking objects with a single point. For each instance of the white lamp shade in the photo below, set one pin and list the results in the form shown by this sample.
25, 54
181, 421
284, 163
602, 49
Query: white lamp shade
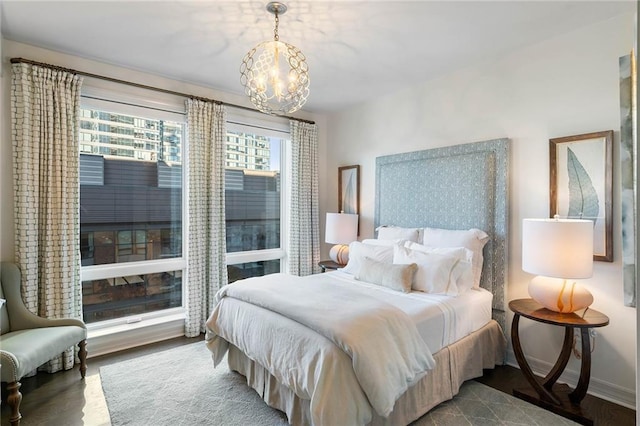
559, 248
341, 228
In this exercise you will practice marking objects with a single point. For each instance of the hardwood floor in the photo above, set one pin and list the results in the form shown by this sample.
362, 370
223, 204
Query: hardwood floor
64, 399
603, 413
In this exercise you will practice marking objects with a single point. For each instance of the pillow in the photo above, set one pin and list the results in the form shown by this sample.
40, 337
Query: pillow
395, 277
461, 253
434, 270
398, 233
473, 239
358, 251
388, 243
462, 273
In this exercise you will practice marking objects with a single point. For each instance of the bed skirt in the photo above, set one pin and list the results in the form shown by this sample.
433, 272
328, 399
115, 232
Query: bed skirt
456, 363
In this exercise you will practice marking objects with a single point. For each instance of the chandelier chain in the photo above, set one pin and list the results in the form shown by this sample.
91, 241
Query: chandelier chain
276, 37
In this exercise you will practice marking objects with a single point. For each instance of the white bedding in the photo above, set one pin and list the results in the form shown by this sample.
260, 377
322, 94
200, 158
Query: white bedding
440, 319
312, 365
356, 322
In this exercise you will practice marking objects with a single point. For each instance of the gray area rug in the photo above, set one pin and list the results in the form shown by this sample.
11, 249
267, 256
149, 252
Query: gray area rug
180, 387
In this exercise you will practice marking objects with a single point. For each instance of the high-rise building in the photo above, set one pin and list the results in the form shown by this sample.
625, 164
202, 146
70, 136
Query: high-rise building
106, 133
247, 151
119, 135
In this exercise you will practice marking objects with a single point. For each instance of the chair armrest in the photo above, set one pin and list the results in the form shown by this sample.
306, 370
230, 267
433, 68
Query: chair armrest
23, 319
20, 317
55, 322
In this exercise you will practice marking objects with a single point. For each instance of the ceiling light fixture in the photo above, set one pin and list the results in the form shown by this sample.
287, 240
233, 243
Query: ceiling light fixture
275, 74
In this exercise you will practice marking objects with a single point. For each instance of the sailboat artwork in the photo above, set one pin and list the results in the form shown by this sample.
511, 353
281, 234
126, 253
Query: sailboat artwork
349, 201
348, 189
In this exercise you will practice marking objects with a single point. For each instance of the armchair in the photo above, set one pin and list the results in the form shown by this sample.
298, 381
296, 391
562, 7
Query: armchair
27, 340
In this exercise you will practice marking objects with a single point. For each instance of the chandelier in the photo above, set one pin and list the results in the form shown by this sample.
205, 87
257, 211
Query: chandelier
275, 74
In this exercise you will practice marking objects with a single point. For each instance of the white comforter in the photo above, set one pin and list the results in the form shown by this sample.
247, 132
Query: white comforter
371, 348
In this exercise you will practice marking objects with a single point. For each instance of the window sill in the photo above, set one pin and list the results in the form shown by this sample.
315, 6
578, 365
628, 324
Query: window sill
104, 340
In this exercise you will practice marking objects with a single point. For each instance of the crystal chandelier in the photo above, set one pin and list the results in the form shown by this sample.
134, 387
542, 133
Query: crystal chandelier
275, 74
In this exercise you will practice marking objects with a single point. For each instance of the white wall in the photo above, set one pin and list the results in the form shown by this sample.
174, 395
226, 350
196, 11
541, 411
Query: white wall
564, 86
12, 49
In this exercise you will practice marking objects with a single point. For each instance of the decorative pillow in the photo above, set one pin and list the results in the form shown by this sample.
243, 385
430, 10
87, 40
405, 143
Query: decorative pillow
398, 233
434, 274
358, 251
395, 277
462, 273
473, 239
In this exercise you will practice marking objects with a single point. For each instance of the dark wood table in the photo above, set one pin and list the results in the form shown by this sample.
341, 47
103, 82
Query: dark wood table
329, 265
557, 398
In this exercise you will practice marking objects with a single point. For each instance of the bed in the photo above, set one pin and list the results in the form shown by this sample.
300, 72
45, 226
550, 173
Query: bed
314, 371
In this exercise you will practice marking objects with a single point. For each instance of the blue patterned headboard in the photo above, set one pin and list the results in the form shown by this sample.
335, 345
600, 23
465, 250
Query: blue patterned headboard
456, 187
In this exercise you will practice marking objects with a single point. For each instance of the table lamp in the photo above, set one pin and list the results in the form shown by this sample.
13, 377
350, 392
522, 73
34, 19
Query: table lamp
559, 250
340, 229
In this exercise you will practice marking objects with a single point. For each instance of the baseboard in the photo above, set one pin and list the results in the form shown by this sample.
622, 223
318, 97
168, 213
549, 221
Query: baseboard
599, 388
104, 341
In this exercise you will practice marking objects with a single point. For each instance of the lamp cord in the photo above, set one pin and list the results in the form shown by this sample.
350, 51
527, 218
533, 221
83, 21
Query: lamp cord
575, 350
276, 37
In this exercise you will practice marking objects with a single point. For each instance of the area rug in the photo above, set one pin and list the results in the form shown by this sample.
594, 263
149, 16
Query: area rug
180, 387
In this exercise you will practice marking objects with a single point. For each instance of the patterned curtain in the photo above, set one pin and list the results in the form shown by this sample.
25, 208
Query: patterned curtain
207, 270
45, 106
304, 240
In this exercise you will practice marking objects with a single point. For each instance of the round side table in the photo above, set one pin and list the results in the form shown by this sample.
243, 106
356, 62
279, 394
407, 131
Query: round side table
560, 399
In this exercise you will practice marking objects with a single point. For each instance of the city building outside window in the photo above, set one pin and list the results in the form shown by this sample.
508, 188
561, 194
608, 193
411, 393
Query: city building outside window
133, 205
131, 210
255, 201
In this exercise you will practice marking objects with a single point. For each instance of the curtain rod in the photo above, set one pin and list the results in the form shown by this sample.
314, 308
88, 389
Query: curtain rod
143, 86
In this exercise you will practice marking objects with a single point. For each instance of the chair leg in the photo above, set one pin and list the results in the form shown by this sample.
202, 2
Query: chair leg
82, 354
14, 399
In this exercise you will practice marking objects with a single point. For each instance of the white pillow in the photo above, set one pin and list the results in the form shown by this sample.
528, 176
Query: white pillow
473, 239
388, 243
461, 253
358, 251
434, 270
399, 233
395, 277
462, 273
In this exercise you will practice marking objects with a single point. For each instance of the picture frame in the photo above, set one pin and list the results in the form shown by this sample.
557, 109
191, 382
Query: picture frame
349, 189
581, 184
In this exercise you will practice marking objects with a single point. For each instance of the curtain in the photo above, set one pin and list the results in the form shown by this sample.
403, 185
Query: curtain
45, 106
206, 270
304, 241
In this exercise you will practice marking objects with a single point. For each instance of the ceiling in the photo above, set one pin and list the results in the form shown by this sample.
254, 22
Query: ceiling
355, 50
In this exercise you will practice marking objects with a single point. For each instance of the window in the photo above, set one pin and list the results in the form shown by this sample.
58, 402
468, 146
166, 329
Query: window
254, 200
131, 213
132, 221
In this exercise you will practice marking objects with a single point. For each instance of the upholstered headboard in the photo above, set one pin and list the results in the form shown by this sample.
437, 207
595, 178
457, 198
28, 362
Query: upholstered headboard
456, 187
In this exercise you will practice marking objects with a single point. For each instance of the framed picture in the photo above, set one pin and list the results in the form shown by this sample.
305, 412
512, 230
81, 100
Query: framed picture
580, 184
349, 189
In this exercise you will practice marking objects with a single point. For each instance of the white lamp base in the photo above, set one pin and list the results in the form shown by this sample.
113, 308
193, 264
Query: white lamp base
339, 254
559, 295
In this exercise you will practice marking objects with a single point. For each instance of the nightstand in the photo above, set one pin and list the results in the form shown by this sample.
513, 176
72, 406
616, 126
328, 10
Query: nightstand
557, 398
329, 265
